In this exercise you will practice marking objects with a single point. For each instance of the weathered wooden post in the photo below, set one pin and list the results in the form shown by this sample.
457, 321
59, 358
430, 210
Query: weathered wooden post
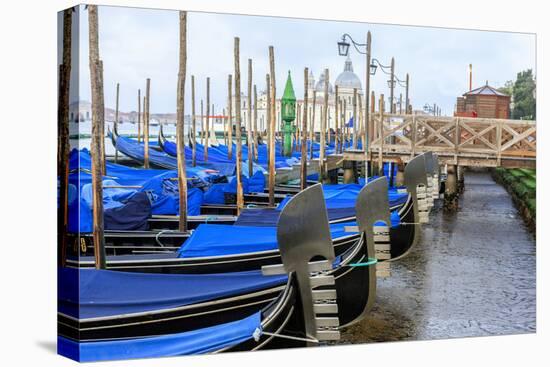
322, 163
139, 116
270, 134
224, 120
255, 123
95, 148
400, 103
102, 119
349, 174
180, 114
342, 118
193, 124
367, 122
272, 122
451, 188
312, 129
460, 178
146, 123
336, 118
202, 123
212, 131
345, 117
116, 116
250, 144
240, 200
63, 149
381, 135
354, 118
207, 136
392, 85
230, 114
303, 157
407, 111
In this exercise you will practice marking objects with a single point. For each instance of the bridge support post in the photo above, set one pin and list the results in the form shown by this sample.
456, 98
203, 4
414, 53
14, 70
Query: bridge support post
400, 176
460, 179
349, 172
451, 188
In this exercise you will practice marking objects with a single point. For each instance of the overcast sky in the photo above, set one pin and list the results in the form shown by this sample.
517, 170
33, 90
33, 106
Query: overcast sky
136, 44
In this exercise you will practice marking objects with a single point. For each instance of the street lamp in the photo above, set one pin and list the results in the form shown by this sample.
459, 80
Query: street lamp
391, 83
343, 47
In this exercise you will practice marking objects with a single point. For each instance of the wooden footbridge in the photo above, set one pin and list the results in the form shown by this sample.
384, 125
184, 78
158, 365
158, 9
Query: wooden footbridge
459, 141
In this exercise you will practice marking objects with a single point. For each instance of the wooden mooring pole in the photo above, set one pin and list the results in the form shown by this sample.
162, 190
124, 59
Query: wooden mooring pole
324, 120
272, 122
63, 149
180, 115
207, 135
97, 136
270, 134
336, 118
451, 188
193, 124
240, 199
250, 143
116, 116
312, 129
139, 116
354, 118
146, 123
303, 158
367, 122
230, 114
255, 123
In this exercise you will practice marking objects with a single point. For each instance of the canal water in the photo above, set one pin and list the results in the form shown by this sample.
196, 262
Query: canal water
472, 274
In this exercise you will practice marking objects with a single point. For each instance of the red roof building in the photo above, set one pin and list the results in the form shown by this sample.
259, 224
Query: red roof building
486, 102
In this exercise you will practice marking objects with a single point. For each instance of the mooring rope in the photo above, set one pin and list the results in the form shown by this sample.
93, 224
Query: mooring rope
258, 333
370, 261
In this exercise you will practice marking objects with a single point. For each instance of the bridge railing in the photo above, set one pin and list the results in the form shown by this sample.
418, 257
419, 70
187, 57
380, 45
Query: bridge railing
494, 139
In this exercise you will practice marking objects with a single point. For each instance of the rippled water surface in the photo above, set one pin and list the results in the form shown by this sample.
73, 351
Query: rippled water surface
472, 274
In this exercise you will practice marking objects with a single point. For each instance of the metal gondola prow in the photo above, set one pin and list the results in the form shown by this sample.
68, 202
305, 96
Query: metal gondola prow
303, 233
417, 182
371, 207
161, 138
430, 171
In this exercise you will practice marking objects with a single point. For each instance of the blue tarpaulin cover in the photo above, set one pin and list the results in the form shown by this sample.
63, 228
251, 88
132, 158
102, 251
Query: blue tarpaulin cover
221, 239
345, 195
90, 293
199, 341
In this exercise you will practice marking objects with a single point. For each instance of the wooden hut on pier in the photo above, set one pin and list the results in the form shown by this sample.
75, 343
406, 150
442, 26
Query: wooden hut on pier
485, 102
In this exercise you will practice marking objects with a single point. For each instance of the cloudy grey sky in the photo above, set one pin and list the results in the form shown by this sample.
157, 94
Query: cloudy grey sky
139, 43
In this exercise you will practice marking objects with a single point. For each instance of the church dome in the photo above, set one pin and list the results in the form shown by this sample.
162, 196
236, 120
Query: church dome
320, 86
348, 79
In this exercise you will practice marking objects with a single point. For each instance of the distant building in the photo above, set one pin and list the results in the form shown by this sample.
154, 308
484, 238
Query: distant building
80, 111
484, 102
